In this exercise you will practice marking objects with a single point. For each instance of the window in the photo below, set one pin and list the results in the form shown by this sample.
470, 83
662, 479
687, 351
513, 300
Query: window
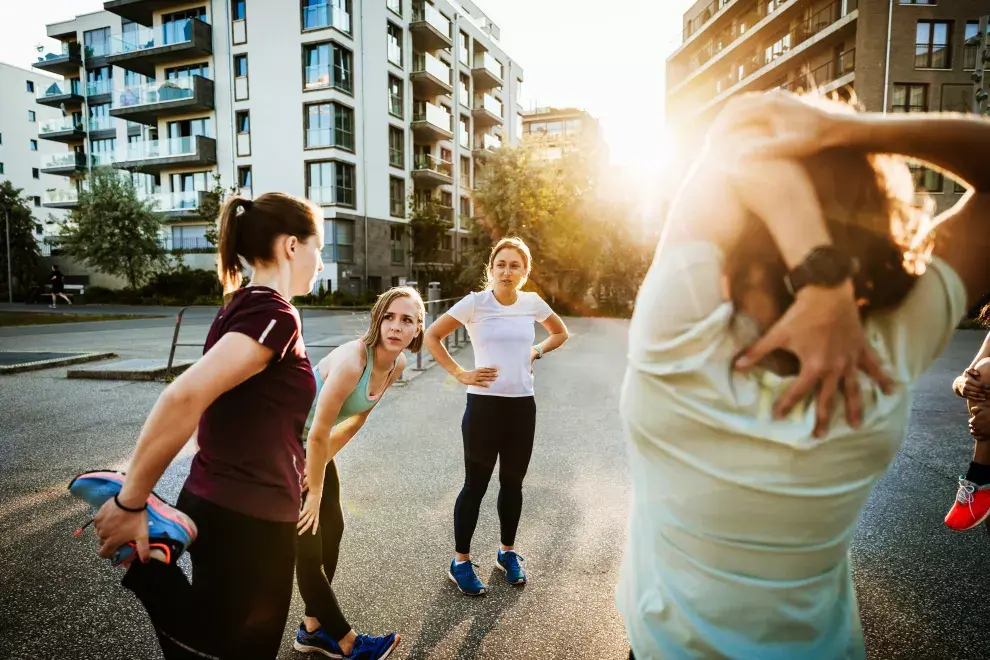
465, 134
240, 66
395, 87
394, 5
330, 182
394, 44
327, 65
96, 42
244, 178
37, 202
30, 86
396, 147
102, 151
1, 168
189, 238
396, 203
343, 239
240, 10
959, 187
31, 116
395, 236
131, 79
926, 179
34, 145
464, 52
465, 172
910, 98
318, 14
35, 174
445, 155
464, 90
187, 71
466, 207
972, 44
243, 119
329, 125
932, 45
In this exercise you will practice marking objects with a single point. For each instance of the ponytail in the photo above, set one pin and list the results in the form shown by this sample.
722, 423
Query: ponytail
229, 267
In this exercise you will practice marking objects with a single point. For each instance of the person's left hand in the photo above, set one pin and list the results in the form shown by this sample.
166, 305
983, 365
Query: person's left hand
823, 329
979, 423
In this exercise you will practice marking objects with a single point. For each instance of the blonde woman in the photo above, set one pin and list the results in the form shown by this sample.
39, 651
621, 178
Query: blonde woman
350, 382
500, 418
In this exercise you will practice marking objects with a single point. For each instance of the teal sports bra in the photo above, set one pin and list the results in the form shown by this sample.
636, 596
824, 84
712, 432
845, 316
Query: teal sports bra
359, 400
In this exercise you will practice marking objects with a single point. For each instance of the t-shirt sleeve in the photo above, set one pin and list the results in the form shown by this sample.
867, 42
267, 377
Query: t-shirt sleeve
541, 310
271, 323
917, 332
463, 309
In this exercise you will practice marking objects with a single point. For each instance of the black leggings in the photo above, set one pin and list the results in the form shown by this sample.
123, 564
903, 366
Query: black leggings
494, 427
237, 604
316, 562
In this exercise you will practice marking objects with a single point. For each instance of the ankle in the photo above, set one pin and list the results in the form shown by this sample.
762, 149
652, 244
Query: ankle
346, 643
461, 556
311, 624
506, 548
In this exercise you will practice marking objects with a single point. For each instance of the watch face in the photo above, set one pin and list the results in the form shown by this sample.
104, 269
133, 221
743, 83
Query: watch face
827, 266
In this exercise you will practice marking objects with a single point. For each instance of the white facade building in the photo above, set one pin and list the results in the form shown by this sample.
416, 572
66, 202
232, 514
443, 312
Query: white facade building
359, 105
22, 154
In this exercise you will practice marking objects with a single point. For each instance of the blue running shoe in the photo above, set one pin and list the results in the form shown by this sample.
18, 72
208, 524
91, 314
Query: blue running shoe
508, 563
366, 647
464, 577
169, 529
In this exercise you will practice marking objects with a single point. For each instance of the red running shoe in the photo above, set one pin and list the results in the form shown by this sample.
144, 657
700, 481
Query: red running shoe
971, 508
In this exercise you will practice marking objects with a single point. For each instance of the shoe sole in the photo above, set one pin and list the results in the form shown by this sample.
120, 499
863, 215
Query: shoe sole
502, 568
466, 593
306, 648
973, 526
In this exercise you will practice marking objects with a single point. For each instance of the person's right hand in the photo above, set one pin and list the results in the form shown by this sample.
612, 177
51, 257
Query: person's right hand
480, 377
116, 527
969, 387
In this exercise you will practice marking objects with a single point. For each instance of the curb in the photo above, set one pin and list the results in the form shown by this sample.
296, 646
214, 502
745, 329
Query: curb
55, 362
151, 374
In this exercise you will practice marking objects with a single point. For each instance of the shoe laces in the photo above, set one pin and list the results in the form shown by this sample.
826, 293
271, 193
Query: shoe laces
965, 495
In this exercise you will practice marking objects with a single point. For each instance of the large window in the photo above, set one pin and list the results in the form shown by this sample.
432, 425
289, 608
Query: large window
910, 98
395, 236
329, 125
463, 49
240, 10
187, 71
96, 42
330, 182
396, 201
319, 14
933, 47
327, 65
394, 44
395, 87
338, 237
971, 46
396, 147
394, 5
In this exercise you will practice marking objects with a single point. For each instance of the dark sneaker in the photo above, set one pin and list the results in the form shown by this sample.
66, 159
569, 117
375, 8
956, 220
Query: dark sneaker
508, 562
169, 529
366, 647
972, 506
464, 577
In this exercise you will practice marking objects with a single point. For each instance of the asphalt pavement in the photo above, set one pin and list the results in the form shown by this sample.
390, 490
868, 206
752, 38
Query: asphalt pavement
919, 585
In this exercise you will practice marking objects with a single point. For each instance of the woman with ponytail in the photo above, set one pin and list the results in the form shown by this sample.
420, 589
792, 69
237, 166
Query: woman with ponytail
247, 400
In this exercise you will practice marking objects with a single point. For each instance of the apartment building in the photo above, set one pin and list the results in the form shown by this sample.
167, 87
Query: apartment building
892, 55
362, 106
552, 132
22, 154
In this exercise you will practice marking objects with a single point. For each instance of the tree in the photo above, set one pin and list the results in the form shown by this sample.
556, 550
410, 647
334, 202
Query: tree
209, 209
24, 257
113, 231
429, 223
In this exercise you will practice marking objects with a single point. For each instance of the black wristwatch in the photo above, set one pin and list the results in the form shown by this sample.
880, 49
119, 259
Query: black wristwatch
825, 266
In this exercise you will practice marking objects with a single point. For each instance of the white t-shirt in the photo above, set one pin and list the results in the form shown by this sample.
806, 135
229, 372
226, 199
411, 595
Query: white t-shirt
502, 337
740, 524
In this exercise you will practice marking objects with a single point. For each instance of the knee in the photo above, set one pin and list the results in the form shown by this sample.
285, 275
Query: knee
511, 483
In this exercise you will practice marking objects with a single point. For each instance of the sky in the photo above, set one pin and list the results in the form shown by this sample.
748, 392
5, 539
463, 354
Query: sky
604, 57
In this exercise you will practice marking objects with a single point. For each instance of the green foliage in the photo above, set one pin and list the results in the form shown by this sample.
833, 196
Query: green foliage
24, 256
113, 231
209, 209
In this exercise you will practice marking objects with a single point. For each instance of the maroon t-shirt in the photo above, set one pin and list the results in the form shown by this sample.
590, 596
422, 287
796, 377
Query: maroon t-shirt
250, 456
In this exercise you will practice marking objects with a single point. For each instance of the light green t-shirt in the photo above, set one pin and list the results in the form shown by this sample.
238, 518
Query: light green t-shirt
740, 525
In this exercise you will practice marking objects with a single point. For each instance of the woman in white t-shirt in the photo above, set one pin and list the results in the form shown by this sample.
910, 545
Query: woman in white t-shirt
742, 513
500, 418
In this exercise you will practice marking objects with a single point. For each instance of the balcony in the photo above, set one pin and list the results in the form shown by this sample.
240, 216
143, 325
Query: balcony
431, 122
487, 110
322, 16
99, 91
142, 50
64, 164
64, 62
429, 28
62, 92
486, 142
487, 71
180, 204
60, 198
146, 103
826, 78
187, 244
102, 159
65, 129
152, 156
102, 127
429, 171
430, 76
139, 11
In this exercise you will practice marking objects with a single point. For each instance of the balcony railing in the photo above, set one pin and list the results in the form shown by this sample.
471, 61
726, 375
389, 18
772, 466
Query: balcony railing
433, 164
489, 103
191, 243
183, 200
426, 63
60, 88
319, 76
149, 149
488, 61
316, 17
101, 123
66, 159
488, 141
175, 32
432, 114
827, 73
98, 87
430, 14
102, 159
60, 125
67, 49
175, 89
60, 196
394, 53
98, 49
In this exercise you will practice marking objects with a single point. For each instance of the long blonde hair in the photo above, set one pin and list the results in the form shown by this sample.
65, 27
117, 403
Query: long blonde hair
374, 333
